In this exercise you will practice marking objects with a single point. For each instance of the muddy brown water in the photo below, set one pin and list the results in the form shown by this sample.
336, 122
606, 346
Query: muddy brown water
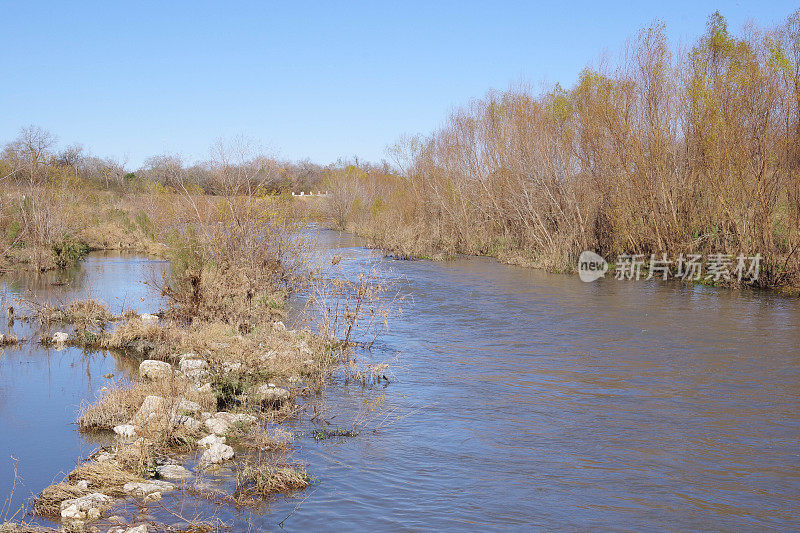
519, 400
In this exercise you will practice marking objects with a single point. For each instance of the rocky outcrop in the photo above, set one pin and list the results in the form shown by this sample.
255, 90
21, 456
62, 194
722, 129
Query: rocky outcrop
142, 528
193, 368
236, 419
187, 422
186, 407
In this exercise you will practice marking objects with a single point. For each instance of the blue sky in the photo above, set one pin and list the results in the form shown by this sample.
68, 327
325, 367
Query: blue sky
308, 79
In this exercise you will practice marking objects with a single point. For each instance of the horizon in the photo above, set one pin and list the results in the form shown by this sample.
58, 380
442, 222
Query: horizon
346, 83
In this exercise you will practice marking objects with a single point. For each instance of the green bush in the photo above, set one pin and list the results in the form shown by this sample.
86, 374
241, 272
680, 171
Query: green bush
69, 251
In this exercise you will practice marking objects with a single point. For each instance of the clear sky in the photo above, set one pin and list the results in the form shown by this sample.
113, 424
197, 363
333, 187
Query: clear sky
308, 79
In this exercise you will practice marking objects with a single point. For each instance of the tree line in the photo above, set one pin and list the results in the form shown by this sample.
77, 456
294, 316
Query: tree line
32, 158
662, 151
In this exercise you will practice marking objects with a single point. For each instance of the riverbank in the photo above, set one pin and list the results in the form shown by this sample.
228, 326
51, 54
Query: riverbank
217, 371
200, 391
204, 399
656, 153
523, 399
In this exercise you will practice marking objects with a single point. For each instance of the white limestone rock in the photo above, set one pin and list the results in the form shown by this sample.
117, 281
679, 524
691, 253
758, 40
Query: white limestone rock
173, 472
143, 488
85, 508
152, 369
217, 426
269, 393
127, 431
148, 319
210, 440
216, 454
151, 407
187, 421
186, 407
239, 419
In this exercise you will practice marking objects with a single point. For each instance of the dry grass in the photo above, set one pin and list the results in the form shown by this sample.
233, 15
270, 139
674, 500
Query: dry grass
119, 404
107, 477
48, 502
270, 439
15, 527
8, 340
137, 335
258, 479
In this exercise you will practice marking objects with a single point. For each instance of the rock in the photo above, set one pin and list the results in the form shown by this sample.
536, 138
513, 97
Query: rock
152, 369
87, 507
217, 426
269, 356
147, 487
102, 457
270, 394
82, 484
228, 367
60, 337
205, 415
186, 407
279, 326
216, 454
192, 368
138, 529
231, 418
147, 318
173, 472
190, 364
304, 349
151, 406
210, 440
186, 421
205, 389
125, 430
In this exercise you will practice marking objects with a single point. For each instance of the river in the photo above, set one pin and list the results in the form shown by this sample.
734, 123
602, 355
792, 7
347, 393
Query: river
519, 400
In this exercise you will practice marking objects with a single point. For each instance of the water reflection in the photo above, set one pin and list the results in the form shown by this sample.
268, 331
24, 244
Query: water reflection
41, 389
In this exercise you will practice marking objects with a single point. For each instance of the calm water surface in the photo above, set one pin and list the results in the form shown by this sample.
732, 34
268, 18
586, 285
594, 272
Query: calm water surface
520, 400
